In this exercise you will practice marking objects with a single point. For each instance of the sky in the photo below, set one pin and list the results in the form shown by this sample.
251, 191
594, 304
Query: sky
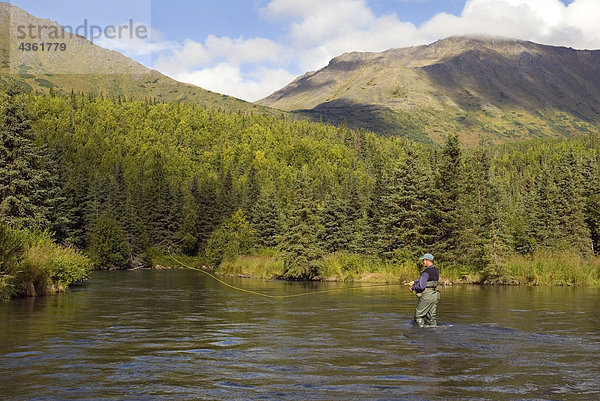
251, 48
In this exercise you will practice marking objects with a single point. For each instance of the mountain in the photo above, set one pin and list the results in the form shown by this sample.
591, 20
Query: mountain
88, 68
489, 89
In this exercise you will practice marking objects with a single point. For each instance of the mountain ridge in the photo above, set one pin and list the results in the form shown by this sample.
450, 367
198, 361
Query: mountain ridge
483, 88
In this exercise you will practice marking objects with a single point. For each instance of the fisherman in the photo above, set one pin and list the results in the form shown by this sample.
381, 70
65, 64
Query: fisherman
426, 289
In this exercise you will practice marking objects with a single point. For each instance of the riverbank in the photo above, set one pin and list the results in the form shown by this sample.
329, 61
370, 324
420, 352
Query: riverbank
31, 264
546, 267
543, 268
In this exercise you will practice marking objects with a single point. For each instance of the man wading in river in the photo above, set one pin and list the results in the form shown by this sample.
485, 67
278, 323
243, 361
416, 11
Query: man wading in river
426, 289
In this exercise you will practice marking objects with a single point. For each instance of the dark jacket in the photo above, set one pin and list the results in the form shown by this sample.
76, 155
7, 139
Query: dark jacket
431, 275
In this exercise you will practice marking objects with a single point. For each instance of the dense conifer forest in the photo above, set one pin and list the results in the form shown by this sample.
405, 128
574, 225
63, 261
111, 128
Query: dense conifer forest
124, 180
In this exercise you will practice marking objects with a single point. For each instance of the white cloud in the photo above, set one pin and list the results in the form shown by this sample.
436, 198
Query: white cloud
386, 32
545, 21
318, 30
217, 65
219, 50
229, 79
313, 21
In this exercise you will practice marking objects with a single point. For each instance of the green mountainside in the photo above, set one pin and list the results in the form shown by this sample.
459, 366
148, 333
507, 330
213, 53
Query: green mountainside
496, 90
87, 68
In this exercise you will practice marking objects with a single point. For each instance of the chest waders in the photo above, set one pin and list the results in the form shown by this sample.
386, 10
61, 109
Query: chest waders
426, 311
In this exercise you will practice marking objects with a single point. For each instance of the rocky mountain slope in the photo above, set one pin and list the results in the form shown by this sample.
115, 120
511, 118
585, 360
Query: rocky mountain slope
488, 89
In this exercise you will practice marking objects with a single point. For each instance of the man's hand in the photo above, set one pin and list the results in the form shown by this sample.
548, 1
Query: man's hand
410, 284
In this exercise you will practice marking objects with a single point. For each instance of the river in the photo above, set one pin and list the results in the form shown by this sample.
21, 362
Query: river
179, 335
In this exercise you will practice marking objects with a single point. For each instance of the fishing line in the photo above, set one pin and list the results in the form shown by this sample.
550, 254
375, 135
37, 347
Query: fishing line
261, 294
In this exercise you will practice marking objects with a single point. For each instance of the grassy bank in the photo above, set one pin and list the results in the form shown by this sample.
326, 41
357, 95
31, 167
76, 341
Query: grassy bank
550, 268
343, 267
357, 268
541, 268
31, 264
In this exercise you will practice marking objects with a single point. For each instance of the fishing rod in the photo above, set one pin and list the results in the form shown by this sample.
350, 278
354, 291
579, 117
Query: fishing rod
271, 296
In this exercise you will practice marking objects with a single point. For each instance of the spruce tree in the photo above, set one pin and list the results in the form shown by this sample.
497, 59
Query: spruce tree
209, 210
591, 177
375, 238
359, 243
252, 190
133, 225
449, 218
162, 206
265, 219
593, 221
226, 196
75, 191
482, 238
303, 257
574, 232
118, 194
29, 182
189, 235
334, 219
406, 216
355, 223
69, 230
135, 232
95, 203
522, 220
546, 218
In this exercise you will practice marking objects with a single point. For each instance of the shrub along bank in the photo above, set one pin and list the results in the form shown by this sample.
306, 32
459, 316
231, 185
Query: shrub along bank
31, 263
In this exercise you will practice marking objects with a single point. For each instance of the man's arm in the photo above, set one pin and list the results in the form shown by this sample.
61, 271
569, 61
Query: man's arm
419, 286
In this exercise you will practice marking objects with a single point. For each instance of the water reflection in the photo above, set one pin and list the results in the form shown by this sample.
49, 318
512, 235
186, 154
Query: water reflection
179, 335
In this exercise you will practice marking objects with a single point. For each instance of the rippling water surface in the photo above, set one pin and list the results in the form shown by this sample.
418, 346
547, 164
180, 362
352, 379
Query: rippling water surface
178, 335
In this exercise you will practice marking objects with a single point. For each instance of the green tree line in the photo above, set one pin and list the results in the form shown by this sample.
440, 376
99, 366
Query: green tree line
120, 179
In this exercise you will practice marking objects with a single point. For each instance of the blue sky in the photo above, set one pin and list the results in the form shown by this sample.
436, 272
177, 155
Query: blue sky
243, 17
249, 48
196, 19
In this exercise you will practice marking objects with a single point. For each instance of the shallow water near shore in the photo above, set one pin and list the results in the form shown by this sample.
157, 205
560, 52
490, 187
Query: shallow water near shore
179, 335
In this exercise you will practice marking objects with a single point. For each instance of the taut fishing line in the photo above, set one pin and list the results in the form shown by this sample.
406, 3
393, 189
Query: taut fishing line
261, 294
